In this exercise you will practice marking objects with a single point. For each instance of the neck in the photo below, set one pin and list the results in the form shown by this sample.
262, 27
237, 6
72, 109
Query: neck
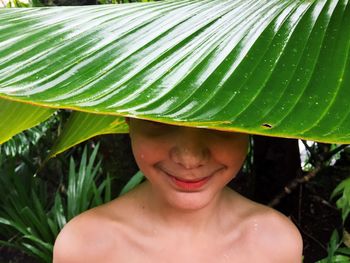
191, 221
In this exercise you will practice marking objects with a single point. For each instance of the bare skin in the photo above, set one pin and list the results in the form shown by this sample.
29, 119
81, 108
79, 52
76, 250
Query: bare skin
183, 212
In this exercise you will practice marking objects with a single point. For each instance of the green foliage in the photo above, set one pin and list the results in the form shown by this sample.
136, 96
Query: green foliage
20, 4
17, 4
93, 124
38, 3
337, 252
23, 219
123, 1
286, 75
21, 144
30, 218
16, 117
82, 192
133, 182
277, 68
342, 192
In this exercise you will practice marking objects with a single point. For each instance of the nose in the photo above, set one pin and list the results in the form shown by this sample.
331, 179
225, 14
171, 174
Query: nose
190, 149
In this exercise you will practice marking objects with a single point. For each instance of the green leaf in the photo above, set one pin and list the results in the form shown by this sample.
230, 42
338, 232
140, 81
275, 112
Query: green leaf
277, 68
37, 252
82, 126
344, 250
343, 192
44, 245
106, 186
16, 117
58, 212
82, 189
5, 221
133, 182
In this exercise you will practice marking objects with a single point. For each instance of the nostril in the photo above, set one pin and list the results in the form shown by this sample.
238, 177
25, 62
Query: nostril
189, 158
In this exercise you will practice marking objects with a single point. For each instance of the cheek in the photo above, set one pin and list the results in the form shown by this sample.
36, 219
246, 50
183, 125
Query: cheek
141, 154
234, 154
146, 153
234, 159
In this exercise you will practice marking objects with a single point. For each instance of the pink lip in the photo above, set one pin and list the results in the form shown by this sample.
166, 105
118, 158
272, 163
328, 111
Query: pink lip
189, 185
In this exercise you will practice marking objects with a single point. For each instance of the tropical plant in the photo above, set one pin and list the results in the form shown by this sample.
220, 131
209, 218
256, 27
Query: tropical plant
133, 182
31, 219
19, 3
336, 254
339, 247
342, 191
278, 68
122, 1
339, 244
20, 145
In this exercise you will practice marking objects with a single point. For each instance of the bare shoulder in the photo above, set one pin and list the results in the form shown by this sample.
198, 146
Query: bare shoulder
280, 237
275, 235
80, 239
265, 234
92, 235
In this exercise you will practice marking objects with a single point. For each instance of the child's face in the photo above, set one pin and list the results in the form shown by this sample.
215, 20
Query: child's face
187, 167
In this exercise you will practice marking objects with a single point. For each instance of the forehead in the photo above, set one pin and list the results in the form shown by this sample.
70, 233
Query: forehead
151, 127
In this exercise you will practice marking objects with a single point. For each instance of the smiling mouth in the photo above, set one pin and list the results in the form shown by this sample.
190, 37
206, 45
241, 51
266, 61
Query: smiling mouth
193, 181
189, 184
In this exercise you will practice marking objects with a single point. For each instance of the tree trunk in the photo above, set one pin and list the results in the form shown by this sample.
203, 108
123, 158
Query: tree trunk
276, 162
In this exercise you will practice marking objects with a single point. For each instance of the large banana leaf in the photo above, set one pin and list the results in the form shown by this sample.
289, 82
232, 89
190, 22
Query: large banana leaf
278, 67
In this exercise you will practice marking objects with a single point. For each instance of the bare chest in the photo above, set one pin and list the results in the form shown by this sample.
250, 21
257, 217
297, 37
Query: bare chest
207, 251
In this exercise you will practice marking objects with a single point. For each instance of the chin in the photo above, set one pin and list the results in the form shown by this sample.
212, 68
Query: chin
189, 201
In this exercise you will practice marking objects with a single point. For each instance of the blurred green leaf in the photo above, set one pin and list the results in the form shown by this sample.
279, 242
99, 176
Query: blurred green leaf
82, 126
16, 117
344, 250
342, 191
133, 182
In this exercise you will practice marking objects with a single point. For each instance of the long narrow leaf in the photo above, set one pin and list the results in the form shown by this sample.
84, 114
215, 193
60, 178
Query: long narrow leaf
34, 250
45, 245
58, 211
133, 182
